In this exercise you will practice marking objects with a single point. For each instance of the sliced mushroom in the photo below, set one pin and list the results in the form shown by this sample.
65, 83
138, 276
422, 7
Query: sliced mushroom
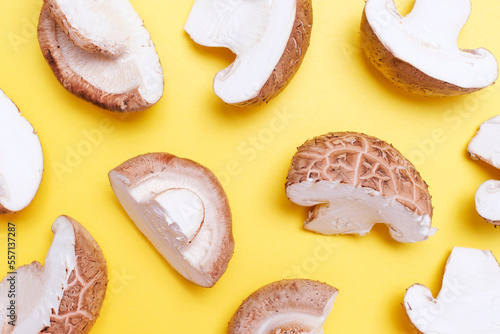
488, 201
63, 296
21, 158
485, 145
353, 181
288, 306
269, 38
101, 52
419, 52
180, 206
468, 301
95, 26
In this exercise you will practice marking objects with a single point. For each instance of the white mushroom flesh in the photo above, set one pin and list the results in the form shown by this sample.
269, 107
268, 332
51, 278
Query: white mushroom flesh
21, 158
38, 289
151, 205
488, 201
469, 300
427, 39
486, 143
256, 31
182, 209
346, 209
103, 24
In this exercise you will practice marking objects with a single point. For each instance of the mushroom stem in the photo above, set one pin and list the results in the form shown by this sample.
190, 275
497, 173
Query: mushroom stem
468, 300
434, 24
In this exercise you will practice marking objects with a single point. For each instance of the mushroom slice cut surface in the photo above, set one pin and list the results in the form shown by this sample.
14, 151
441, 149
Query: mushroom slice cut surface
118, 68
180, 206
288, 306
488, 201
485, 145
94, 26
468, 301
269, 37
63, 296
353, 181
419, 52
21, 158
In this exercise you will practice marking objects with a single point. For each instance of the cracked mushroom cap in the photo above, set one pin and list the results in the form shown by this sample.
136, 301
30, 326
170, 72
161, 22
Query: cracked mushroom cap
353, 181
287, 306
180, 206
101, 52
21, 158
468, 300
63, 296
419, 52
269, 38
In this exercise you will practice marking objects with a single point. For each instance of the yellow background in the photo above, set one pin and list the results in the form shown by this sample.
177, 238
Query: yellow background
334, 90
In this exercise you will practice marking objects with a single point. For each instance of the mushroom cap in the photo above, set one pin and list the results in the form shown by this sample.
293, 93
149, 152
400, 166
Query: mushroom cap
21, 158
269, 38
287, 306
468, 300
354, 181
66, 294
162, 194
130, 81
485, 145
419, 52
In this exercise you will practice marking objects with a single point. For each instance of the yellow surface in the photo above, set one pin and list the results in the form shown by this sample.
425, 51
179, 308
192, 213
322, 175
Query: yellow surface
334, 90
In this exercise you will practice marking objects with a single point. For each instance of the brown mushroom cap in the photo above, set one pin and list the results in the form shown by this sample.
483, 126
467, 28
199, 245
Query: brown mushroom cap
287, 306
355, 181
152, 187
87, 284
131, 81
66, 294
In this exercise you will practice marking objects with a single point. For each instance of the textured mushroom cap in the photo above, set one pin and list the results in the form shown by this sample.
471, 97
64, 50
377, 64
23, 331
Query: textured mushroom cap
488, 201
355, 181
21, 158
485, 145
419, 52
270, 39
468, 300
130, 81
199, 251
66, 294
288, 306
